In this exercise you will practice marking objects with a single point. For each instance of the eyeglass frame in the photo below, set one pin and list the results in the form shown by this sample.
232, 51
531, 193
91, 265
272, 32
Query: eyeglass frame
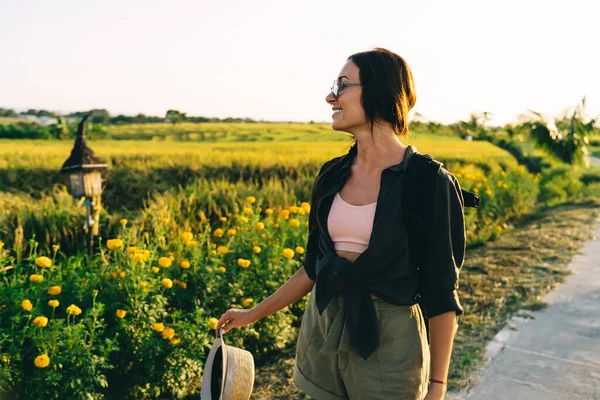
340, 86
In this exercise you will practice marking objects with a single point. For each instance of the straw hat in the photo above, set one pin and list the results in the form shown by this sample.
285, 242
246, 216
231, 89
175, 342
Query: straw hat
228, 372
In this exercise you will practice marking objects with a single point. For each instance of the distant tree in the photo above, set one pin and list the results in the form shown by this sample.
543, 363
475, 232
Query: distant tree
566, 138
175, 116
99, 116
5, 112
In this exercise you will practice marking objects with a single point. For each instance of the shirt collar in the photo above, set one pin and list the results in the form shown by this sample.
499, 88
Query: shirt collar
345, 169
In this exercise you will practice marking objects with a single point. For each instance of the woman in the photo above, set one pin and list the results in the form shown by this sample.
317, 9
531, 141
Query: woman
339, 354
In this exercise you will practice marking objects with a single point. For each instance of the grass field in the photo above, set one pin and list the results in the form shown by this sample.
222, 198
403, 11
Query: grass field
220, 194
32, 153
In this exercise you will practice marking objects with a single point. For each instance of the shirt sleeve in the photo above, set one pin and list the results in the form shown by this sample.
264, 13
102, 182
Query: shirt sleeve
447, 244
312, 246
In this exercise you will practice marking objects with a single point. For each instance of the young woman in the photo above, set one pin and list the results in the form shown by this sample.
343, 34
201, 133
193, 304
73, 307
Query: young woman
363, 333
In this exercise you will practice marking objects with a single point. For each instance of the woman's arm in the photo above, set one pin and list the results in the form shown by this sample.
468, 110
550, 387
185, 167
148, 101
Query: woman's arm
290, 292
442, 328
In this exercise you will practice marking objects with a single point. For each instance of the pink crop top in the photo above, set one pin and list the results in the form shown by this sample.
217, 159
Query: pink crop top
350, 226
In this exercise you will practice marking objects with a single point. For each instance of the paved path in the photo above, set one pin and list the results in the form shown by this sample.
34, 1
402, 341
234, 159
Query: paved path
556, 355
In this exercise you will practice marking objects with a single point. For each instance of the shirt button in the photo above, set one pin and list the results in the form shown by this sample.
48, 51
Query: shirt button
335, 272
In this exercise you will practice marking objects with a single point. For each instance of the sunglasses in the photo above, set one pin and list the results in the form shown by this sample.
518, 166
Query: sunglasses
339, 85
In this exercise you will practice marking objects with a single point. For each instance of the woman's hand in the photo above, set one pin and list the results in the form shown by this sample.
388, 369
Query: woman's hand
235, 318
436, 392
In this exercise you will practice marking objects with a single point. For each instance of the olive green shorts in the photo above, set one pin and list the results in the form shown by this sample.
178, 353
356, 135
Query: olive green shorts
398, 369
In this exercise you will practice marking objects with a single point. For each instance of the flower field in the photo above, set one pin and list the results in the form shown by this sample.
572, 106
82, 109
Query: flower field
189, 230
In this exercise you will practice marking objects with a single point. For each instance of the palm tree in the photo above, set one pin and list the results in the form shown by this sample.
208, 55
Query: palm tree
566, 138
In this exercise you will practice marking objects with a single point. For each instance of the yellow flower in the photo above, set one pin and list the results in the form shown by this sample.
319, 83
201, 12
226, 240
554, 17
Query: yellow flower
165, 220
158, 327
488, 192
143, 284
294, 222
213, 322
53, 303
231, 232
40, 321
256, 249
223, 219
36, 278
219, 232
247, 302
243, 263
288, 253
276, 225
213, 252
299, 249
155, 269
73, 310
505, 186
166, 282
183, 285
131, 249
222, 250
26, 304
259, 226
1, 244
247, 210
284, 214
122, 274
191, 243
187, 236
499, 228
43, 262
140, 257
243, 219
168, 333
164, 262
251, 199
54, 246
54, 290
269, 211
42, 361
123, 221
294, 209
113, 244
184, 264
175, 341
121, 313
222, 269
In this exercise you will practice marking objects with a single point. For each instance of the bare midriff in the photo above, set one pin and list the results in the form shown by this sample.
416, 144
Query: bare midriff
351, 256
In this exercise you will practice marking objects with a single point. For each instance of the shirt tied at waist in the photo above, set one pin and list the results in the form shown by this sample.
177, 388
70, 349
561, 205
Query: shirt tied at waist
334, 282
338, 337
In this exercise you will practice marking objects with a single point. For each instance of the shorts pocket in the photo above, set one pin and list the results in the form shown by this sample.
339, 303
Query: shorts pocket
400, 341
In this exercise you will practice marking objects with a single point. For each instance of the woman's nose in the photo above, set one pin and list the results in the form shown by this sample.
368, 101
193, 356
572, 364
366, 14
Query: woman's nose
329, 98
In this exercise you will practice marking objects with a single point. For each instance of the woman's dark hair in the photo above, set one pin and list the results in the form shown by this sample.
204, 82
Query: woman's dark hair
388, 88
388, 94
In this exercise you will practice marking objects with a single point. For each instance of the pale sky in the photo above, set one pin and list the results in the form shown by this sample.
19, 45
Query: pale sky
275, 60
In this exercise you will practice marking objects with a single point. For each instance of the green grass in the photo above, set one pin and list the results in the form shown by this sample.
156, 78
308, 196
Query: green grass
8, 120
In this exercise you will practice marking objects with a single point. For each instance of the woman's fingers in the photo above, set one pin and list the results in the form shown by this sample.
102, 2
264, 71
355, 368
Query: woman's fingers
222, 321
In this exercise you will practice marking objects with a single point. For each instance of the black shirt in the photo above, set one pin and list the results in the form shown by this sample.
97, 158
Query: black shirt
384, 268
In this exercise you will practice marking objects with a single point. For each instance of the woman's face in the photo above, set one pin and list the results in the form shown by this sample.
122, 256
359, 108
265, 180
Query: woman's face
352, 115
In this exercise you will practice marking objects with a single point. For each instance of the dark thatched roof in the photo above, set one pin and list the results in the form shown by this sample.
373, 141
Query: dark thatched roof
82, 158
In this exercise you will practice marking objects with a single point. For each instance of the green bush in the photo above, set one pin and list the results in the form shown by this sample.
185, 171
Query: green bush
560, 184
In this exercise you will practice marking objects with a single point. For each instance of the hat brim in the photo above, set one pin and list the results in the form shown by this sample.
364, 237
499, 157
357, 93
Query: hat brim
212, 381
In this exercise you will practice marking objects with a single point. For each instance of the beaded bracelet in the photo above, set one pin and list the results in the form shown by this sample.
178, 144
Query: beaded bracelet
436, 381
